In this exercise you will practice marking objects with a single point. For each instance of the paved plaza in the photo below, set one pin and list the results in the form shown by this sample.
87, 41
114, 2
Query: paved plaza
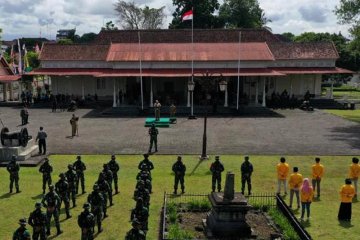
296, 133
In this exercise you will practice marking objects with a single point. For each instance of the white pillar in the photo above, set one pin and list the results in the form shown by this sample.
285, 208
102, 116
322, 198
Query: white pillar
151, 93
114, 97
188, 99
264, 92
82, 89
257, 91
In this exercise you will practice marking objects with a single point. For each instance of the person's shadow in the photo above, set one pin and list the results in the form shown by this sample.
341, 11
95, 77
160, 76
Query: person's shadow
39, 196
345, 224
6, 195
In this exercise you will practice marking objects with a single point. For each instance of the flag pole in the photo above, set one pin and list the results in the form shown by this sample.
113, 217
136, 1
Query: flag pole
192, 59
141, 82
238, 79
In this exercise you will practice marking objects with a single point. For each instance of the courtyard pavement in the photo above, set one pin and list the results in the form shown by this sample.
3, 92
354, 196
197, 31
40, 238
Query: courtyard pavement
296, 133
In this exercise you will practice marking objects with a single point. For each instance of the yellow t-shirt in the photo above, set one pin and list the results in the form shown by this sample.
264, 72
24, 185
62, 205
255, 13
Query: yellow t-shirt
347, 193
295, 181
317, 171
354, 170
282, 170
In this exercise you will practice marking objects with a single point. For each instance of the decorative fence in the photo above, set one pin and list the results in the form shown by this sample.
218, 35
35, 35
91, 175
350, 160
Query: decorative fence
269, 200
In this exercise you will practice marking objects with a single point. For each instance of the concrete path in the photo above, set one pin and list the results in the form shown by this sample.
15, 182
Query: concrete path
296, 133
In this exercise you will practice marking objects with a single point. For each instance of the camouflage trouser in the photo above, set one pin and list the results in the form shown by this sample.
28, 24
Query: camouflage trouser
14, 178
46, 180
72, 194
52, 211
66, 200
39, 232
110, 196
104, 207
245, 179
87, 234
216, 178
115, 179
179, 178
97, 211
80, 178
153, 140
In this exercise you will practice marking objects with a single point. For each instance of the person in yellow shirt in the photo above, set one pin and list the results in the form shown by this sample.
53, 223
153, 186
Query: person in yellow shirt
295, 182
347, 192
282, 173
355, 173
317, 174
307, 194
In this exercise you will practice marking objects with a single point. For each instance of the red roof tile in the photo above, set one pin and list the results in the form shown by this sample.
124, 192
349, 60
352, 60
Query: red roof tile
312, 70
123, 52
74, 52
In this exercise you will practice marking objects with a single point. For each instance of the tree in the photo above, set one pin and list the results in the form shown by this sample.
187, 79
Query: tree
87, 37
134, 17
65, 41
288, 35
33, 59
109, 26
242, 14
203, 14
348, 12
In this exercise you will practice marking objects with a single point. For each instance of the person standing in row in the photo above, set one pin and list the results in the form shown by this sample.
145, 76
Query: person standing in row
317, 174
307, 194
37, 220
13, 168
52, 202
347, 192
71, 178
354, 173
153, 133
179, 170
282, 172
86, 222
114, 167
246, 172
295, 182
216, 169
146, 164
79, 167
22, 233
46, 169
41, 137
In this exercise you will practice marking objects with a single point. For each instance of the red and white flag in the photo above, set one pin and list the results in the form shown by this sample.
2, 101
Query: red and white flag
187, 16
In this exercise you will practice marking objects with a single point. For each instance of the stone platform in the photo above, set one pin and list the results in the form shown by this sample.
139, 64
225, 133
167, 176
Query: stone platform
163, 122
22, 153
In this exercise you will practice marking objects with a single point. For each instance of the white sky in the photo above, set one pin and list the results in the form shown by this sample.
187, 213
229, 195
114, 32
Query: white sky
30, 18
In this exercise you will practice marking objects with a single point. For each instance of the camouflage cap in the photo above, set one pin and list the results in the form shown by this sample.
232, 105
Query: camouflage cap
217, 157
96, 187
62, 175
22, 221
46, 159
146, 155
135, 223
113, 157
13, 158
38, 205
51, 187
70, 166
87, 206
78, 157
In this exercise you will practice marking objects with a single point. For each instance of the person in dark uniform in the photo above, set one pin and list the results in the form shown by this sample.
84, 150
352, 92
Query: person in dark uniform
52, 203
143, 193
135, 233
108, 177
54, 104
157, 107
24, 114
153, 133
104, 189
146, 164
179, 169
79, 167
216, 169
41, 136
46, 169
13, 168
145, 176
37, 220
71, 177
74, 125
22, 233
97, 200
62, 188
141, 213
86, 222
114, 167
246, 171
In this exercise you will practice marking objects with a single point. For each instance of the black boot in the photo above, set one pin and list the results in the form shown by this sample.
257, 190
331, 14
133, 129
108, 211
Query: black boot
175, 191
58, 230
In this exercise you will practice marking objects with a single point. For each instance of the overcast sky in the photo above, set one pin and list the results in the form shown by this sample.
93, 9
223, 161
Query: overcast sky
32, 18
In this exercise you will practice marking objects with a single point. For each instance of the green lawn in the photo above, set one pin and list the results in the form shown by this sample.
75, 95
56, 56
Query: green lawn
352, 115
323, 225
339, 93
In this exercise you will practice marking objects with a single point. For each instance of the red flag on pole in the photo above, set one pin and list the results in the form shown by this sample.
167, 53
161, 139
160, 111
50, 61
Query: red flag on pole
187, 16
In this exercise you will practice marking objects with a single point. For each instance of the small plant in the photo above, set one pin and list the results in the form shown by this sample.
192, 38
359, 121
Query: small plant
287, 230
172, 212
199, 205
176, 233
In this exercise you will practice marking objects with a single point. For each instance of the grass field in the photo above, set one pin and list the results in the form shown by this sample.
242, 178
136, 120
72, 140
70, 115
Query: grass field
352, 115
323, 224
341, 92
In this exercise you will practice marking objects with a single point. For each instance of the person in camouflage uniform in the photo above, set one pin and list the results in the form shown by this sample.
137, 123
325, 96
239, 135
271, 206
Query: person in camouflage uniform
79, 167
114, 167
104, 190
146, 164
71, 177
135, 233
246, 172
146, 182
46, 169
143, 193
13, 168
62, 188
86, 222
37, 220
21, 233
96, 200
141, 213
109, 178
51, 201
179, 170
153, 133
145, 176
216, 169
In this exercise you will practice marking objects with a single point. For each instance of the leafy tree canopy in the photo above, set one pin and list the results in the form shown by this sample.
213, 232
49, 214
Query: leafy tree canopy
109, 26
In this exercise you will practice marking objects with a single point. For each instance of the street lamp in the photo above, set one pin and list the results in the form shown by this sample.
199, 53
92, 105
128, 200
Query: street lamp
191, 87
207, 87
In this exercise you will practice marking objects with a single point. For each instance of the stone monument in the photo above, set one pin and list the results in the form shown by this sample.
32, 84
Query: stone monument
227, 216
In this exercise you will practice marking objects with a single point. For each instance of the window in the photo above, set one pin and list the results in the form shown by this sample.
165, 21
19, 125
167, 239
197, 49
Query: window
100, 84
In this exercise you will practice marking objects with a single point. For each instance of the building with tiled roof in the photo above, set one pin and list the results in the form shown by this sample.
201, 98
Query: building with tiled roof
145, 65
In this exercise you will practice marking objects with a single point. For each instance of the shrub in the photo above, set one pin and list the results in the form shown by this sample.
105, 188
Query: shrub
172, 212
287, 230
199, 205
176, 233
